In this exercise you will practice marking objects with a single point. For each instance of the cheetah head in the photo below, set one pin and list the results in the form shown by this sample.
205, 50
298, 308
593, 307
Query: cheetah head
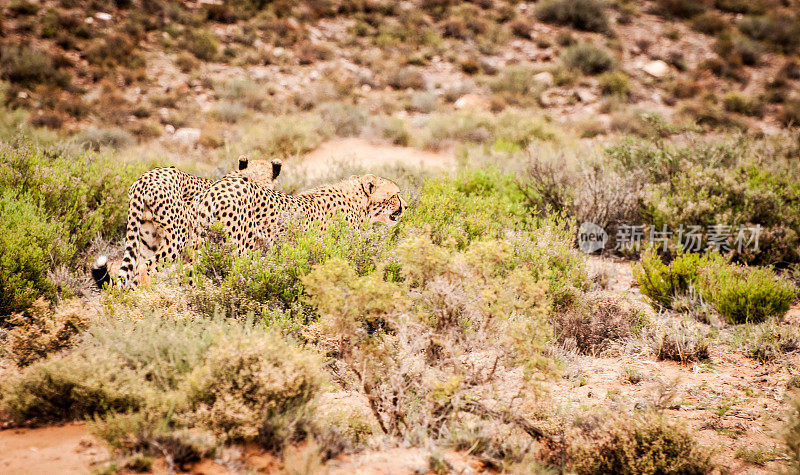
262, 172
385, 204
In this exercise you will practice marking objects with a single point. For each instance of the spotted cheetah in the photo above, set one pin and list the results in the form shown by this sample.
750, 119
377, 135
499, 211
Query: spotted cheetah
253, 215
158, 224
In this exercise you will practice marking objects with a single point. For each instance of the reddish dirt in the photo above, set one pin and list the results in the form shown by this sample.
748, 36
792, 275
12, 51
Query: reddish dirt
57, 449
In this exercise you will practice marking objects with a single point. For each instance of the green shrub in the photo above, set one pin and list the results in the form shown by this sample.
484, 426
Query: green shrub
480, 203
747, 294
282, 136
588, 15
31, 243
174, 384
82, 191
615, 84
260, 282
520, 129
662, 283
588, 59
738, 182
646, 444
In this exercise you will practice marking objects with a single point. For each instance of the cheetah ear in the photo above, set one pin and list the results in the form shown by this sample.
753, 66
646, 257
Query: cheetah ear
276, 167
368, 183
243, 161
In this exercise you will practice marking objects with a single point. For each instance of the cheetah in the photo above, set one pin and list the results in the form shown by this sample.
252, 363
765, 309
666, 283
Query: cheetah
158, 225
253, 216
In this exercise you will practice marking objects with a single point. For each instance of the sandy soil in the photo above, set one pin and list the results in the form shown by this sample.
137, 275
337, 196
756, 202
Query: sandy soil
63, 449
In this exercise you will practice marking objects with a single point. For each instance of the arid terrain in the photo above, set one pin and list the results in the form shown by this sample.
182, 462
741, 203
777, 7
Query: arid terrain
475, 335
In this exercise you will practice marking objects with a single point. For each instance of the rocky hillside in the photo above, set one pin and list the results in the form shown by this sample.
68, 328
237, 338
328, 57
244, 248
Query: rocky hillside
143, 69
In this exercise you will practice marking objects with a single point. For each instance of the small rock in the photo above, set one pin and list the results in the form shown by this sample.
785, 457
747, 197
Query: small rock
22, 95
585, 96
102, 16
489, 65
471, 101
656, 68
187, 135
89, 21
545, 77
170, 128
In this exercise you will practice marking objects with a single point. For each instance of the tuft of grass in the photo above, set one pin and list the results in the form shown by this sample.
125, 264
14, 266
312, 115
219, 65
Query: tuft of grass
756, 455
96, 139
588, 58
587, 15
766, 342
202, 44
709, 23
615, 84
680, 8
741, 104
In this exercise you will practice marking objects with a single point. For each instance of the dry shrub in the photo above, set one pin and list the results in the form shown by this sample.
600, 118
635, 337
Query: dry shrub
257, 388
407, 78
679, 341
42, 331
645, 444
398, 340
601, 319
71, 387
589, 190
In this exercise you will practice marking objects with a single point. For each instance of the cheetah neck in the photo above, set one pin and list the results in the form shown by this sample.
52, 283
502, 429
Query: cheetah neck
350, 190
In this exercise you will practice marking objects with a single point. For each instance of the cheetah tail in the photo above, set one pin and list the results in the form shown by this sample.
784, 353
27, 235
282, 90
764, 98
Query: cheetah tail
100, 272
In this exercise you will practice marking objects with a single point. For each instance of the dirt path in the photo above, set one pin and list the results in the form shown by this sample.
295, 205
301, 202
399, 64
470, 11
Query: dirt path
362, 152
63, 449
